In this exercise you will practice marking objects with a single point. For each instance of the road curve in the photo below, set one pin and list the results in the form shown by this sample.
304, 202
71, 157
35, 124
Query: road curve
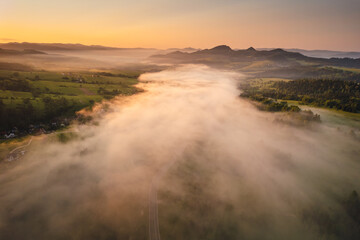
18, 152
23, 146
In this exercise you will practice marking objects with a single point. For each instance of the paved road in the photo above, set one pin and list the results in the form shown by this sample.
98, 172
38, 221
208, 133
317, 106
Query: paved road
18, 152
154, 231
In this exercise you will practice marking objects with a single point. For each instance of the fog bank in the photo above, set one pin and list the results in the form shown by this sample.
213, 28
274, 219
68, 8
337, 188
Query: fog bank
231, 171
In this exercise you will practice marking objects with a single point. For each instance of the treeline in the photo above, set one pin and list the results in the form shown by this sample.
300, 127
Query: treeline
15, 84
25, 114
309, 72
15, 67
295, 116
21, 116
107, 74
108, 94
342, 95
270, 105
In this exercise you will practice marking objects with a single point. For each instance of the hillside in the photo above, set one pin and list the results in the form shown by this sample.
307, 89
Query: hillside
25, 46
11, 52
324, 53
14, 67
225, 56
51, 46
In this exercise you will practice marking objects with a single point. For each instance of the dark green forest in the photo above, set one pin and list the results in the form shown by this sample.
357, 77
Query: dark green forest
310, 72
337, 94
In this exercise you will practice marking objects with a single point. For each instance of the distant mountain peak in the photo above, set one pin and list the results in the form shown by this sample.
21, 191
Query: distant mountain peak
278, 50
251, 49
222, 48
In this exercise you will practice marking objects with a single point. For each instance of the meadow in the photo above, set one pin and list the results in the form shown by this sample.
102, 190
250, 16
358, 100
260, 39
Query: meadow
42, 97
314, 92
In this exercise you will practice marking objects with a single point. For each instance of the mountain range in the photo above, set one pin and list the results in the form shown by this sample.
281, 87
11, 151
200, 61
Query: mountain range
51, 46
76, 47
321, 53
224, 55
10, 52
80, 47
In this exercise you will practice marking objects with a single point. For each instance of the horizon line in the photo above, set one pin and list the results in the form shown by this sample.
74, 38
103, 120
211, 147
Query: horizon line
234, 48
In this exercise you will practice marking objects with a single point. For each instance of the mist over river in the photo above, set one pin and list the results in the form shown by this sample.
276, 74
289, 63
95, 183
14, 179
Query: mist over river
224, 170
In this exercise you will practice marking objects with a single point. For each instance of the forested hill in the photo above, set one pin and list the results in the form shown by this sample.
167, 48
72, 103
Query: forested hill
337, 94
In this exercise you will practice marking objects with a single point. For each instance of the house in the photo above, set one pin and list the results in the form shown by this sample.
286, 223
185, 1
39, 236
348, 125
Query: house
10, 135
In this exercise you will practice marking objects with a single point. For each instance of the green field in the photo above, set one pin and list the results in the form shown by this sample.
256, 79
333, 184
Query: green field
330, 115
42, 93
355, 70
332, 94
265, 83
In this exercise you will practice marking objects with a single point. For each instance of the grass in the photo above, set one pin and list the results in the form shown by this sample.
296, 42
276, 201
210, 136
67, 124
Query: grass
355, 70
65, 88
80, 88
66, 137
51, 76
55, 84
259, 65
14, 94
6, 145
265, 82
337, 111
272, 79
331, 115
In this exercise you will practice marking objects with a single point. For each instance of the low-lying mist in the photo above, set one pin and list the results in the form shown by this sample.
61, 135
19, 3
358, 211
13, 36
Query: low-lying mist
224, 169
84, 60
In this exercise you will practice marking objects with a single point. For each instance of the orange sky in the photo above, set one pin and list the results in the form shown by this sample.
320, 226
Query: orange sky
317, 24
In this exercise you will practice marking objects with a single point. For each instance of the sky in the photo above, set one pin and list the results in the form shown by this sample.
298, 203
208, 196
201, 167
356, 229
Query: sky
307, 24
